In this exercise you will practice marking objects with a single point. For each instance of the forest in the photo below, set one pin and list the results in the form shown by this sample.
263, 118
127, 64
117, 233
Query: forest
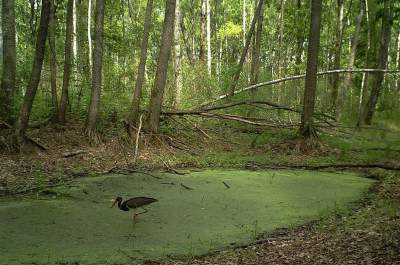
227, 132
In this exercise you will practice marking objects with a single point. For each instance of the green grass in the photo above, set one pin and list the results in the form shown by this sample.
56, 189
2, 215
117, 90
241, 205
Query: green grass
76, 224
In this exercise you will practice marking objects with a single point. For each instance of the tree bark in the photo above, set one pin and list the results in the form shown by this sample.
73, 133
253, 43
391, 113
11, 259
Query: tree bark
244, 19
7, 89
369, 110
255, 63
208, 10
203, 29
157, 93
67, 62
53, 61
134, 114
280, 38
299, 41
364, 81
23, 118
307, 128
338, 54
89, 19
178, 56
97, 70
353, 50
398, 62
257, 13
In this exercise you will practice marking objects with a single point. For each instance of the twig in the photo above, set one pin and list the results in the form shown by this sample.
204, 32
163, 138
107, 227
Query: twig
73, 153
226, 185
137, 139
186, 187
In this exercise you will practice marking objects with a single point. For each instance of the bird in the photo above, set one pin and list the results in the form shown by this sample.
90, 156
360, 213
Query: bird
133, 203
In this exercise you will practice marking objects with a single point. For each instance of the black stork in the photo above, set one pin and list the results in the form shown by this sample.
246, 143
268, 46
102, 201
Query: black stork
133, 203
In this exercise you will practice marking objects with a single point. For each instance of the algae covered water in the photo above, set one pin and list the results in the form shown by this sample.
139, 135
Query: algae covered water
75, 224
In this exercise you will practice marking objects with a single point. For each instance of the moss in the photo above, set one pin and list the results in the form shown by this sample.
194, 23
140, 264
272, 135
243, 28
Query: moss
76, 223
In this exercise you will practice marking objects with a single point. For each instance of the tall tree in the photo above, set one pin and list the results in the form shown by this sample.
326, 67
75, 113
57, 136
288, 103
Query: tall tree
397, 85
369, 109
178, 56
257, 13
307, 128
134, 114
67, 61
338, 55
353, 49
208, 10
25, 112
9, 61
280, 38
97, 70
364, 81
299, 40
203, 29
256, 51
157, 93
89, 20
53, 61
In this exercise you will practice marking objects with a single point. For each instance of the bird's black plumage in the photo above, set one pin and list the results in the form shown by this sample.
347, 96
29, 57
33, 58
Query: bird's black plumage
133, 203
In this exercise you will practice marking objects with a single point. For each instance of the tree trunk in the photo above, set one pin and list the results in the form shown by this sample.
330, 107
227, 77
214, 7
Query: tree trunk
255, 63
97, 70
134, 115
53, 61
23, 118
364, 81
280, 38
382, 64
299, 41
208, 37
157, 93
257, 13
203, 29
89, 19
354, 43
307, 128
244, 18
7, 89
398, 63
67, 62
338, 53
178, 56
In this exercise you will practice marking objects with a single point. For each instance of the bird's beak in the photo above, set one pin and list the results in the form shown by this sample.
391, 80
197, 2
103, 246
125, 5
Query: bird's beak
115, 201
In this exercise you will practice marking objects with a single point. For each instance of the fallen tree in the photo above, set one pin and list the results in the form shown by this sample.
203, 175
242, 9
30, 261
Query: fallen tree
207, 112
272, 82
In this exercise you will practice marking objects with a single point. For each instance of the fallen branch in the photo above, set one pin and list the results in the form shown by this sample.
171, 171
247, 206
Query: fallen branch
250, 103
226, 185
137, 139
73, 153
29, 139
295, 78
186, 187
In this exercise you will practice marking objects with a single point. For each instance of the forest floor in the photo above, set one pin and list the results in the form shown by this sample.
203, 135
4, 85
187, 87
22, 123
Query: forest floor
369, 235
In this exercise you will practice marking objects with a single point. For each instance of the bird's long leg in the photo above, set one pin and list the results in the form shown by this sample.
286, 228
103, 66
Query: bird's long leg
145, 211
134, 216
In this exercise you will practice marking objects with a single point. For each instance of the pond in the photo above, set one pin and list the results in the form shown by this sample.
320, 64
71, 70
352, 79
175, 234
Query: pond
211, 210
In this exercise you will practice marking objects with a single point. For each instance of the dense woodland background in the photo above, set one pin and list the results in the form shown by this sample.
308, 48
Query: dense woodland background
182, 54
